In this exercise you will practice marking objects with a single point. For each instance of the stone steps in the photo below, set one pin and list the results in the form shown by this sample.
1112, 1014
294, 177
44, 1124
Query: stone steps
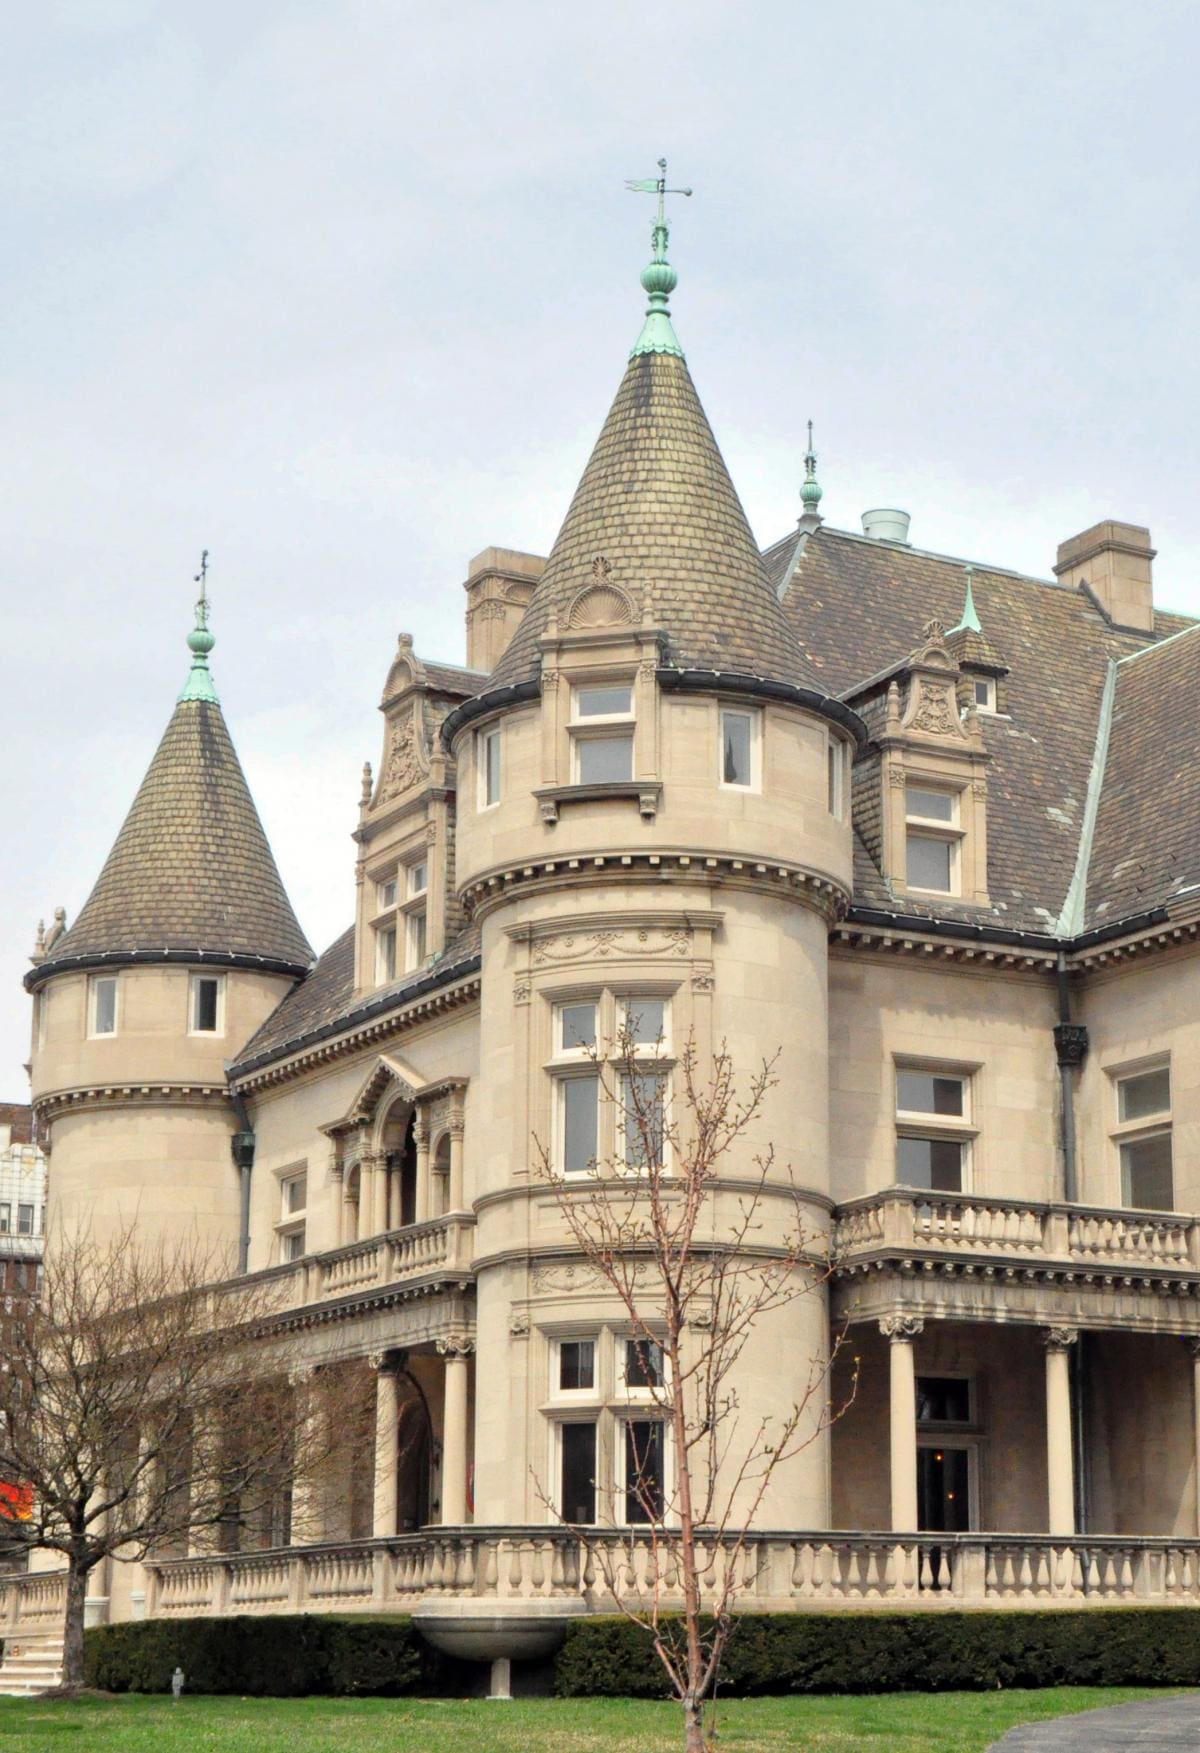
31, 1665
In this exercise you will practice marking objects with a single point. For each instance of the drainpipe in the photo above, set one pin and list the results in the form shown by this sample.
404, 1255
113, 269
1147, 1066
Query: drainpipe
1071, 1045
242, 1148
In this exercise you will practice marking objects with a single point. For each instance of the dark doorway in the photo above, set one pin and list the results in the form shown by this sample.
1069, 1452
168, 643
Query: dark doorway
943, 1490
403, 1163
414, 1455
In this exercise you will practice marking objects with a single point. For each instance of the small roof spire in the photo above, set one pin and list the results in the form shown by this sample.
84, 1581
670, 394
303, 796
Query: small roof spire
199, 685
970, 622
810, 490
658, 276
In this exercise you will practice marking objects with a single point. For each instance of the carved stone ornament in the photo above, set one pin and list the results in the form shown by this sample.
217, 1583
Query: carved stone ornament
402, 766
935, 710
897, 777
521, 991
702, 980
382, 1362
454, 1345
579, 946
518, 1324
902, 1327
1059, 1338
600, 604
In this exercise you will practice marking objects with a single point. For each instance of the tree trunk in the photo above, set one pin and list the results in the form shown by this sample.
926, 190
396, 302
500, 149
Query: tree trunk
693, 1726
72, 1673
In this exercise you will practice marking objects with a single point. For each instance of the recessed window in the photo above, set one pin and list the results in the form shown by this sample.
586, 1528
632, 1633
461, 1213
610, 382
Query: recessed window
418, 877
103, 1004
206, 1004
610, 1074
294, 1194
5, 1219
24, 1220
1143, 1139
943, 1400
577, 1472
415, 937
643, 1098
385, 893
984, 694
835, 777
293, 1200
602, 734
292, 1243
487, 747
385, 955
644, 1364
738, 739
576, 1366
933, 1132
931, 840
643, 1482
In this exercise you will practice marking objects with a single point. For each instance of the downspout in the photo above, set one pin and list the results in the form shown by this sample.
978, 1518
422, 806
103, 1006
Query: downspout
1071, 1044
242, 1148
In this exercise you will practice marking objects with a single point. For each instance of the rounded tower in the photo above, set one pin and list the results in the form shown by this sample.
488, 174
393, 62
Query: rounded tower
653, 816
184, 947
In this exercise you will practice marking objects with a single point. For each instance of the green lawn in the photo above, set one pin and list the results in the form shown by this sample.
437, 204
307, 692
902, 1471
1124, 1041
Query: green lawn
951, 1722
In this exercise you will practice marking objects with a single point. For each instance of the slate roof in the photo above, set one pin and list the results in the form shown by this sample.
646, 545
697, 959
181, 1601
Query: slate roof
657, 506
190, 873
857, 607
1146, 842
449, 678
324, 1003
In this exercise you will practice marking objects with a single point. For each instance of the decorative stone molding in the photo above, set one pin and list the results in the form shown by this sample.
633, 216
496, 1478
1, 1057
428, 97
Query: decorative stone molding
551, 798
455, 1345
1071, 1043
518, 1324
902, 1328
600, 604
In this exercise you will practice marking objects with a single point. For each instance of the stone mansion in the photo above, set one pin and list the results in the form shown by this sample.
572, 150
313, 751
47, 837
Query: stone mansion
928, 830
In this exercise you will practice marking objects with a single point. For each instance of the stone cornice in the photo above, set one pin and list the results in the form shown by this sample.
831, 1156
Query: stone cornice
53, 1103
810, 887
992, 948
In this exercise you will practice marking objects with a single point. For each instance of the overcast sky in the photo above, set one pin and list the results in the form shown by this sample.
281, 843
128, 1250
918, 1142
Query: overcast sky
342, 291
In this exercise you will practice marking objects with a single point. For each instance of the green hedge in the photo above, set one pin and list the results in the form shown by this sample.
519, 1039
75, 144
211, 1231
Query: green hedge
272, 1656
903, 1652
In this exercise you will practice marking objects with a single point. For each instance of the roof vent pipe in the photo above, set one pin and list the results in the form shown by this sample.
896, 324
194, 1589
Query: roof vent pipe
886, 524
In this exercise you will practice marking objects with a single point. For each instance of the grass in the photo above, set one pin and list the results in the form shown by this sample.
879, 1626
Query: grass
949, 1722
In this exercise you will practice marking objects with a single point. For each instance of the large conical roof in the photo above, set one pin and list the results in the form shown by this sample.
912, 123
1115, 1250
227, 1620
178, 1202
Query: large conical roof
657, 515
191, 874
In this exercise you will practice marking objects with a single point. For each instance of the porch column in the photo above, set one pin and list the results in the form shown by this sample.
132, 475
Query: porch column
1060, 1468
424, 1202
901, 1331
454, 1193
387, 1447
456, 1349
379, 1205
1193, 1345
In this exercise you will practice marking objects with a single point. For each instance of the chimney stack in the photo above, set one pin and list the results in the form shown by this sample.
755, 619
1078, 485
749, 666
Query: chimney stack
1113, 560
499, 584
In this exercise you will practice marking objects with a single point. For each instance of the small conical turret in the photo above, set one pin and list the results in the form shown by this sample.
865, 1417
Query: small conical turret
969, 622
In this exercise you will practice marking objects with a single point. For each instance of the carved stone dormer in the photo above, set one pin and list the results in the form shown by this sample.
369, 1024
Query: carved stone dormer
933, 771
406, 910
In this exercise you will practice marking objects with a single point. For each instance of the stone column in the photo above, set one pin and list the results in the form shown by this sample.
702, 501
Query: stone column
456, 1349
454, 1192
379, 1214
1193, 1345
1060, 1461
387, 1447
421, 1136
901, 1331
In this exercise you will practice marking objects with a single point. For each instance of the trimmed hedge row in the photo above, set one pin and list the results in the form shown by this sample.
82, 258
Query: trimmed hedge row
272, 1656
290, 1655
902, 1652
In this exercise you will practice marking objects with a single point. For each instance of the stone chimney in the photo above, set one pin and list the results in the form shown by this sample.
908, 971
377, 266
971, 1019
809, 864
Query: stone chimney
1113, 561
500, 582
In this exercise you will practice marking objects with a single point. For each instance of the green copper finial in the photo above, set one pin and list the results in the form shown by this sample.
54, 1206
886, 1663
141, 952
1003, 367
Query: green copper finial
658, 276
199, 685
810, 491
970, 622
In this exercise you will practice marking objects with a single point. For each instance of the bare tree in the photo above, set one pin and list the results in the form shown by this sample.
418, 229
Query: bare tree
143, 1408
702, 1239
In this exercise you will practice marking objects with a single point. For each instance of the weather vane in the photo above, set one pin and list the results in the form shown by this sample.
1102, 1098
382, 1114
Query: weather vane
201, 579
656, 186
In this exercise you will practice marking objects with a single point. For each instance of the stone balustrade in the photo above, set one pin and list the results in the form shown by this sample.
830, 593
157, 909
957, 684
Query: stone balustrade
903, 1218
778, 1571
442, 1244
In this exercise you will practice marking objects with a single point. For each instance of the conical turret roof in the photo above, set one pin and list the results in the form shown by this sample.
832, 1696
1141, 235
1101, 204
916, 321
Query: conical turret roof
191, 874
657, 514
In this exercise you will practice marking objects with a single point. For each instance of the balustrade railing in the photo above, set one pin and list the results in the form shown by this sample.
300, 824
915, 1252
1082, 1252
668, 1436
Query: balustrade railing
934, 1222
775, 1571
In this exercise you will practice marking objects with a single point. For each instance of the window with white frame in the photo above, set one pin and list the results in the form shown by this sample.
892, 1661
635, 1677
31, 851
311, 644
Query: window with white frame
5, 1218
610, 1072
609, 1445
293, 1211
416, 934
739, 752
385, 954
983, 693
836, 762
602, 727
1142, 1136
205, 994
487, 765
385, 894
102, 1004
25, 1220
932, 840
933, 1128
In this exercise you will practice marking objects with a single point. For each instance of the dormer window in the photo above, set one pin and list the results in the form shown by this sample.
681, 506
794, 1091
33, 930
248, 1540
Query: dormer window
932, 839
984, 693
418, 878
602, 727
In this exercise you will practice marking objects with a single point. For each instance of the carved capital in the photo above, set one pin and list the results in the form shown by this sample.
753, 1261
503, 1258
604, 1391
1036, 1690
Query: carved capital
382, 1362
518, 1324
904, 1328
456, 1345
1192, 1341
1059, 1338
